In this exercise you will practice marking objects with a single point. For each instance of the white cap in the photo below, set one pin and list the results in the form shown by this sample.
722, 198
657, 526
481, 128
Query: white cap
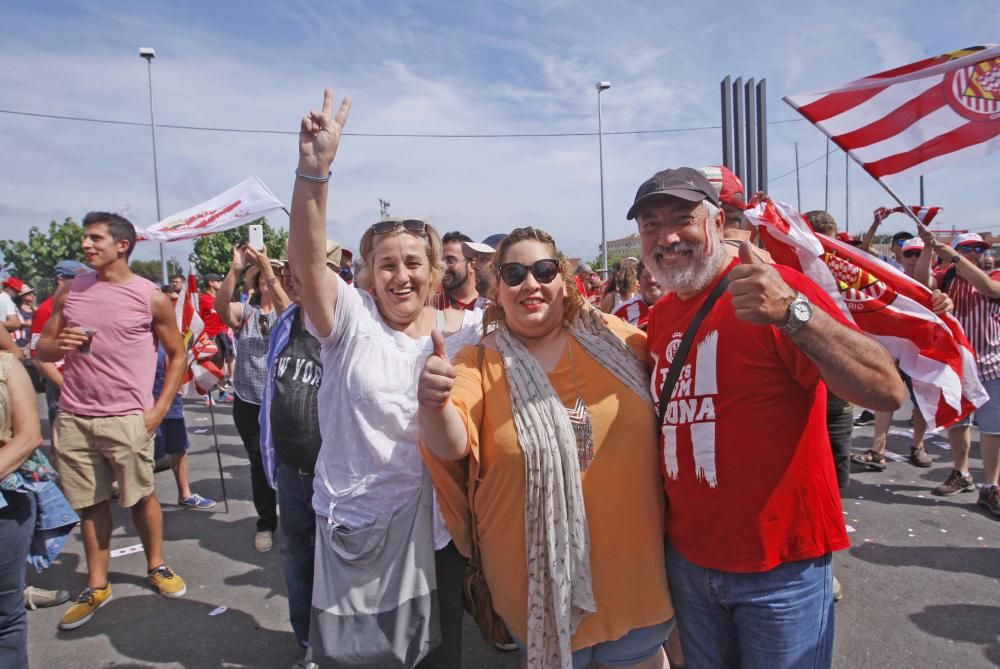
914, 244
966, 238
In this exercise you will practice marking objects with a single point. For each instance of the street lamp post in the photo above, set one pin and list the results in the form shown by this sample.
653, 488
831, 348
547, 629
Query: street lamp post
602, 86
148, 54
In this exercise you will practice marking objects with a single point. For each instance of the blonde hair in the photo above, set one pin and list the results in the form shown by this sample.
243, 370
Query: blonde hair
432, 243
572, 302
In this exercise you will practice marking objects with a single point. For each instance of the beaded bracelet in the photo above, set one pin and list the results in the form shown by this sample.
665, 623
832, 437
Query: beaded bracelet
309, 177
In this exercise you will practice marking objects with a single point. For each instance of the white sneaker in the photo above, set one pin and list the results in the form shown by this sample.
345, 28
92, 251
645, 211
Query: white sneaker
263, 541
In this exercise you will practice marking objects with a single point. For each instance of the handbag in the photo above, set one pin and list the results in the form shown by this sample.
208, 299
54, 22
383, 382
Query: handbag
476, 595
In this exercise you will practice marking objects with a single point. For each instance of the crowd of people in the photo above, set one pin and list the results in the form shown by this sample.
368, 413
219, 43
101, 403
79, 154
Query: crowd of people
482, 427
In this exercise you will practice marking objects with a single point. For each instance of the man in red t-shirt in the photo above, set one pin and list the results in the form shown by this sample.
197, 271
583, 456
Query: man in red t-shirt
214, 327
754, 512
636, 311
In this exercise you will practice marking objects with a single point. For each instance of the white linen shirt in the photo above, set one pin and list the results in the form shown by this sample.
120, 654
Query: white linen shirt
369, 464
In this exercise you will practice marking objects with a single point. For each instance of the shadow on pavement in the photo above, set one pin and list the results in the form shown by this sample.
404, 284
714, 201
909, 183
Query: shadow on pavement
152, 629
967, 623
982, 561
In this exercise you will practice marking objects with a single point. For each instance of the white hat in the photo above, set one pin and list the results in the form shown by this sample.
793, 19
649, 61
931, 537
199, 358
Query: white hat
966, 238
915, 244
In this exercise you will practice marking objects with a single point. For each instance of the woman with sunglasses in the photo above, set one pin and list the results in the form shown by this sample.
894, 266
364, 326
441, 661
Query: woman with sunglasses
555, 429
251, 323
373, 346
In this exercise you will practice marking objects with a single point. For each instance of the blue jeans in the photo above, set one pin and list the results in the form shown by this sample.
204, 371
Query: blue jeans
17, 524
777, 619
298, 541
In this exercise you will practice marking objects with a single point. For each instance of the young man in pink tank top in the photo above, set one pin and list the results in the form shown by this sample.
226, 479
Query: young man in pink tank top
103, 326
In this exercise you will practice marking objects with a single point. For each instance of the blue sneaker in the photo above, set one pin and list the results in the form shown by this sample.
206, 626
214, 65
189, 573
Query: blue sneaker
196, 502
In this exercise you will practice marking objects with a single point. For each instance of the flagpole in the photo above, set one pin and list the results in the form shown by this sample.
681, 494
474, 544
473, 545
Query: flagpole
847, 194
826, 182
798, 189
909, 212
218, 456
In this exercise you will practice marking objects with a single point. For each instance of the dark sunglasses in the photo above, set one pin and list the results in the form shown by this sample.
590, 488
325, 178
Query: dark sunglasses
514, 273
974, 249
412, 225
911, 254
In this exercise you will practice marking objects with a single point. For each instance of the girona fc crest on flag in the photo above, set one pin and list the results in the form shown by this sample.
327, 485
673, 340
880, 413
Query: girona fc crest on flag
974, 91
862, 291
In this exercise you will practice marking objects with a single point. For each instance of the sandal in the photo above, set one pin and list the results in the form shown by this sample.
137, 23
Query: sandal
871, 460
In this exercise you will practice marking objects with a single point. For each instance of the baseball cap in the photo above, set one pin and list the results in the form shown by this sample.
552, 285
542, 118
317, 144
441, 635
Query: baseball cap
727, 185
212, 276
25, 289
15, 283
901, 237
686, 183
67, 269
914, 244
967, 239
487, 246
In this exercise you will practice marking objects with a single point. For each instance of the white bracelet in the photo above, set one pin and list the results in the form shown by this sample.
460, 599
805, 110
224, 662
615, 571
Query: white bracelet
309, 177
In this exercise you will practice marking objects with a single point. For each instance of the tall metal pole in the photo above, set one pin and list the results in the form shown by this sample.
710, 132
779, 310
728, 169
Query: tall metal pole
762, 135
738, 145
148, 55
750, 183
921, 190
826, 184
798, 188
602, 86
727, 123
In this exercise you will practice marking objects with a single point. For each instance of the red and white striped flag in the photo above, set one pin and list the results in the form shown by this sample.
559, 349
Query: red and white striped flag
886, 304
202, 374
914, 118
925, 214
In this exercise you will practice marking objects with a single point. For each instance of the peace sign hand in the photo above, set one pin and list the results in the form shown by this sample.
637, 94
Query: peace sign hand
319, 136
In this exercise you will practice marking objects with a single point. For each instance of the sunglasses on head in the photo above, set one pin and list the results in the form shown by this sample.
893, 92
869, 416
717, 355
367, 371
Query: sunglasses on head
978, 248
412, 225
514, 273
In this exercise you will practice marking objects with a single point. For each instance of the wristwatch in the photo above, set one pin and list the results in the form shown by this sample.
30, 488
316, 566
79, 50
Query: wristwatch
799, 313
954, 259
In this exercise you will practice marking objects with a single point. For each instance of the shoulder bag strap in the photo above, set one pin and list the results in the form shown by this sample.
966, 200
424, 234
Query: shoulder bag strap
682, 350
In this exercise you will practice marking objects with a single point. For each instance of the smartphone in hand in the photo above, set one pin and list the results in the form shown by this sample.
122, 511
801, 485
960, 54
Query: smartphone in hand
256, 237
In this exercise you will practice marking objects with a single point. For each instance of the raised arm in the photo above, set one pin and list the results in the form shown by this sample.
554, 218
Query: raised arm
319, 138
854, 366
869, 236
231, 313
269, 283
968, 270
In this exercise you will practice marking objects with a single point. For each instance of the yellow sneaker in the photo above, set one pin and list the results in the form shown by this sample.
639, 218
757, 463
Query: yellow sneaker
84, 606
166, 582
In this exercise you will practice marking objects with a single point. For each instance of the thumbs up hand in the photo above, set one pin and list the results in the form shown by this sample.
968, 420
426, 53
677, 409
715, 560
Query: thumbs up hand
760, 295
438, 377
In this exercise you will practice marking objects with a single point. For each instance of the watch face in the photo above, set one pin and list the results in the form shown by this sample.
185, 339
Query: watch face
801, 311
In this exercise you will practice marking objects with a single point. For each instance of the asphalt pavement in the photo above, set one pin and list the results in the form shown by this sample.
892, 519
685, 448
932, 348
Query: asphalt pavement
921, 580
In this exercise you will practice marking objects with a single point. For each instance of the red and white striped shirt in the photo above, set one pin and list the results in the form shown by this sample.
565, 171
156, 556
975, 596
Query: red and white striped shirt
634, 311
980, 318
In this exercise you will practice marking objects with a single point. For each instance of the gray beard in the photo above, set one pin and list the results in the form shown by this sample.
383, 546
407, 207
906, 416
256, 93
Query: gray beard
695, 276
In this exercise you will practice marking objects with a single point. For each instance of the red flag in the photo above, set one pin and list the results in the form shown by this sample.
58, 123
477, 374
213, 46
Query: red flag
200, 349
886, 304
925, 214
914, 118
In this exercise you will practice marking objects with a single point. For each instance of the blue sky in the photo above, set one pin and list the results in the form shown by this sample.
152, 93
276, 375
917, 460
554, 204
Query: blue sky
446, 68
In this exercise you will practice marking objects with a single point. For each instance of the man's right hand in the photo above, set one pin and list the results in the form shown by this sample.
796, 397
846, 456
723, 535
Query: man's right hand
319, 136
71, 339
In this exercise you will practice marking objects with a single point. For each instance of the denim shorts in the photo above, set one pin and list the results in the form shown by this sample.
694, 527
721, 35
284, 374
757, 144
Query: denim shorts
636, 646
988, 415
171, 438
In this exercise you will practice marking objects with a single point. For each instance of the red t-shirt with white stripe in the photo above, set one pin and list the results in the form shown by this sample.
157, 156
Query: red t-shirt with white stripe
634, 311
980, 318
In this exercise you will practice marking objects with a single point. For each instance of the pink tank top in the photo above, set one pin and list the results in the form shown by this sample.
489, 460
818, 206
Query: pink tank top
116, 377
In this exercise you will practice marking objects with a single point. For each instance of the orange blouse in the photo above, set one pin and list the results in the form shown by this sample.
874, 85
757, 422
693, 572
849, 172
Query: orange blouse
622, 490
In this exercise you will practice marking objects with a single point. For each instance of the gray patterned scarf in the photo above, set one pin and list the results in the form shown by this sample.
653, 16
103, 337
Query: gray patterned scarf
560, 593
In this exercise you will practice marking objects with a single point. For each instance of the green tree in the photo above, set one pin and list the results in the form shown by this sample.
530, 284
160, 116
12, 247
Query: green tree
34, 260
598, 262
150, 269
214, 253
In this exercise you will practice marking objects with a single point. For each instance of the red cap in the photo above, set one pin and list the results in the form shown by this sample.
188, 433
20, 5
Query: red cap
726, 183
15, 283
848, 238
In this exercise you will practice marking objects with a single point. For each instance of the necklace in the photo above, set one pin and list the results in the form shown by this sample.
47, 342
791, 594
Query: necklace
579, 418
